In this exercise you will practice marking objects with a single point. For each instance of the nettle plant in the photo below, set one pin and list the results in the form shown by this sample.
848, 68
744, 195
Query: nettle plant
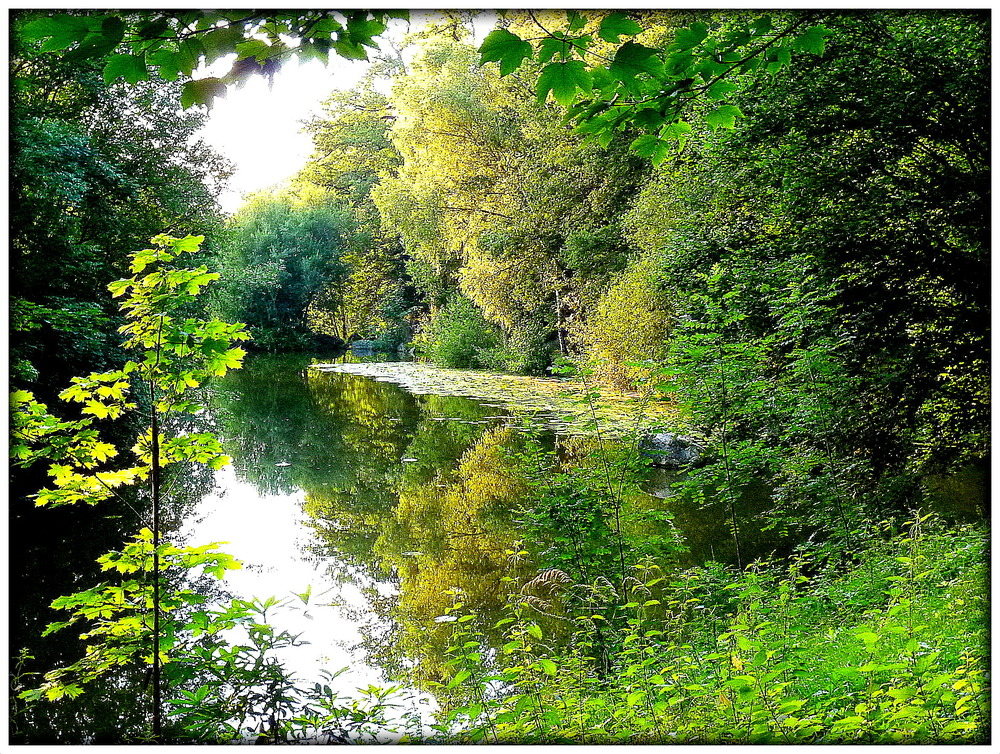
147, 614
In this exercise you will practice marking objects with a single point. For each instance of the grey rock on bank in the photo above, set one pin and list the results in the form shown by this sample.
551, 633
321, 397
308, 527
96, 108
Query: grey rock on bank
671, 451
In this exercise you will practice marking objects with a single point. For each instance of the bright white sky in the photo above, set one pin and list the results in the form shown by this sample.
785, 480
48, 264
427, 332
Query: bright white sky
258, 128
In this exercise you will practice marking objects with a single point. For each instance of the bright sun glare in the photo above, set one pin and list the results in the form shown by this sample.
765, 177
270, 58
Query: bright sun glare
258, 127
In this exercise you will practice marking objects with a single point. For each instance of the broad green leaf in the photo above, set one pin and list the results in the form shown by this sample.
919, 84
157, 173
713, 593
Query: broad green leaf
786, 708
130, 67
219, 462
307, 51
188, 56
233, 358
868, 637
53, 693
709, 69
549, 47
97, 409
721, 89
59, 31
253, 48
509, 49
615, 25
535, 630
575, 21
459, 678
782, 59
188, 244
202, 92
362, 30
654, 148
563, 80
632, 59
119, 478
959, 725
548, 667
219, 42
102, 451
681, 65
649, 118
812, 40
723, 117
762, 25
100, 42
166, 62
154, 28
524, 702
350, 50
690, 37
326, 26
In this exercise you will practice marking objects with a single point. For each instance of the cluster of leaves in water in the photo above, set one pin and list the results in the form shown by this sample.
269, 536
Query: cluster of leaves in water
556, 404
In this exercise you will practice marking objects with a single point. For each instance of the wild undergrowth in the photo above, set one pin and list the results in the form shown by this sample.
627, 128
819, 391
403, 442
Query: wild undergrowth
890, 649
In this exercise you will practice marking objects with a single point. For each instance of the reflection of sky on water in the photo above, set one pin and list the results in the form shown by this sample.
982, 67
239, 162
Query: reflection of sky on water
351, 487
270, 536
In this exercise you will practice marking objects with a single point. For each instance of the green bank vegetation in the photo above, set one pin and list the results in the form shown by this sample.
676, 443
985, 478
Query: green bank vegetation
771, 226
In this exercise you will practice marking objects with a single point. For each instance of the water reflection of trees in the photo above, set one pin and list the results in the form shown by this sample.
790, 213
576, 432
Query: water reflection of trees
427, 494
453, 531
439, 521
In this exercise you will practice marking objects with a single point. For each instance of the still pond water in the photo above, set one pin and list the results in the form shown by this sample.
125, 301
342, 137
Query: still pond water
375, 503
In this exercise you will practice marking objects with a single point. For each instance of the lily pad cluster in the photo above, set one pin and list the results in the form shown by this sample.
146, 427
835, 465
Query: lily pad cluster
566, 406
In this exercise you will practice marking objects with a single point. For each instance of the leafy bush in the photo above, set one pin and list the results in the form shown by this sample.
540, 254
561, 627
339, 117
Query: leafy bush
600, 251
632, 323
459, 334
525, 350
285, 253
892, 650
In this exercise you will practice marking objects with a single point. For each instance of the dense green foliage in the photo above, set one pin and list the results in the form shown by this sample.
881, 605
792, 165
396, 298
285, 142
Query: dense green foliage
174, 354
811, 283
96, 170
774, 224
151, 611
174, 43
282, 256
891, 650
459, 335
